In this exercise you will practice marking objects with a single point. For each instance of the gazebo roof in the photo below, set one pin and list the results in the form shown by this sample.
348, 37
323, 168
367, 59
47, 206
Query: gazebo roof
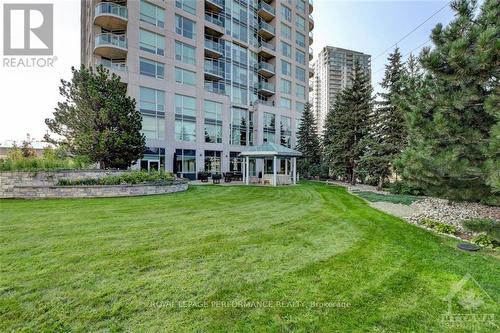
270, 149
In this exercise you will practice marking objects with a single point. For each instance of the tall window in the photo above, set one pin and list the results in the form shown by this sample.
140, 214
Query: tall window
185, 163
285, 103
269, 127
286, 68
301, 39
299, 107
212, 161
286, 49
300, 91
286, 13
241, 127
213, 122
300, 74
183, 76
185, 53
185, 118
300, 57
187, 5
285, 131
285, 86
152, 14
286, 31
152, 68
300, 23
185, 27
152, 108
151, 42
301, 5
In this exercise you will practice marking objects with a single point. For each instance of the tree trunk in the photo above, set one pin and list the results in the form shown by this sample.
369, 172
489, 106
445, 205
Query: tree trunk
380, 184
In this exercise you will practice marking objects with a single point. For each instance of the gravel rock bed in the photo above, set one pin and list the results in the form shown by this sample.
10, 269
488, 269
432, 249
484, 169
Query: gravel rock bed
453, 213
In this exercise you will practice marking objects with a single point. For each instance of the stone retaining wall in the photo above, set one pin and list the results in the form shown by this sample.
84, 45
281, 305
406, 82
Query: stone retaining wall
43, 184
92, 191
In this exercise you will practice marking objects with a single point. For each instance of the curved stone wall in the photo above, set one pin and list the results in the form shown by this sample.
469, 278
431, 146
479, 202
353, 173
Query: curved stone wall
42, 184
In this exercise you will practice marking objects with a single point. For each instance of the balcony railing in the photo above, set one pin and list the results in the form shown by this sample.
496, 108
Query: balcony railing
109, 39
266, 66
213, 45
215, 5
311, 53
214, 68
215, 87
268, 27
110, 8
266, 86
268, 46
311, 7
215, 19
267, 7
118, 66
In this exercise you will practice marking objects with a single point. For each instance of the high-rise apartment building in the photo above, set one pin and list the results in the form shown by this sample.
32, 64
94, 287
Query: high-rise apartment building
211, 77
332, 72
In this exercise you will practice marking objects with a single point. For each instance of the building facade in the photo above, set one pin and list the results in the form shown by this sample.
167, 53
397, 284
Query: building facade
332, 72
210, 77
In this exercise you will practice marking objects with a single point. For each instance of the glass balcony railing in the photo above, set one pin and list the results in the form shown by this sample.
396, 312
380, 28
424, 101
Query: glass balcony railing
267, 27
213, 68
266, 86
118, 66
267, 7
266, 45
215, 19
110, 8
109, 39
266, 66
213, 45
219, 3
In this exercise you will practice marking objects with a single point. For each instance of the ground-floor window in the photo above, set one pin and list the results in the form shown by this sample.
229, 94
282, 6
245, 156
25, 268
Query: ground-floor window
153, 159
212, 161
235, 162
185, 163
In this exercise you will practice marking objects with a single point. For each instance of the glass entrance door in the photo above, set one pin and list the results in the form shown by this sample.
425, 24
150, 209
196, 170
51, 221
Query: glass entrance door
154, 165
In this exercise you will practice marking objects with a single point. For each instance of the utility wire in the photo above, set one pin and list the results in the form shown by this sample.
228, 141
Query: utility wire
404, 56
412, 31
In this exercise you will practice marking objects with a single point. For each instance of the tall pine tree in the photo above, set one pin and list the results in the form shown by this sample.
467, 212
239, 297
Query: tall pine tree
347, 126
454, 116
308, 142
387, 127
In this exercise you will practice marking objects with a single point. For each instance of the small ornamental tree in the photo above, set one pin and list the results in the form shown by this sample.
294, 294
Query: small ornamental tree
97, 119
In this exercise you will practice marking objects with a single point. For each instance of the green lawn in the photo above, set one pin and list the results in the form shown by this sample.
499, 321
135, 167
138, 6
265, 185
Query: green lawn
188, 262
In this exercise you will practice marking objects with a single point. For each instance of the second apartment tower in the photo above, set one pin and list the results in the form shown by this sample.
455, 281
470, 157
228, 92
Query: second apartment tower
210, 77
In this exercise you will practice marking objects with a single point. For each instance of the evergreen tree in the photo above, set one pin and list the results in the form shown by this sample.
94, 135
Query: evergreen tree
347, 125
387, 128
97, 119
308, 142
454, 115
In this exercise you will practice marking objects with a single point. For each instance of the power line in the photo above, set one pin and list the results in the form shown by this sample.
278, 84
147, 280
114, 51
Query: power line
412, 31
404, 56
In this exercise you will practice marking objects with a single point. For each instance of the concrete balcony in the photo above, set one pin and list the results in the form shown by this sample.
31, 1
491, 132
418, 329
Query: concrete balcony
266, 11
111, 46
266, 50
214, 5
111, 16
266, 31
266, 88
266, 69
213, 48
311, 54
311, 37
311, 22
311, 72
213, 70
311, 7
214, 24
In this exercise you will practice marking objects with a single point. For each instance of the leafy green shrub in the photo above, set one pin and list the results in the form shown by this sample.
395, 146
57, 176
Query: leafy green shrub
439, 227
485, 241
401, 187
128, 178
489, 226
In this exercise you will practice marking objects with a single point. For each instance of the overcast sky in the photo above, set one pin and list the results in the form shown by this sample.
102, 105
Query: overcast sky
29, 95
